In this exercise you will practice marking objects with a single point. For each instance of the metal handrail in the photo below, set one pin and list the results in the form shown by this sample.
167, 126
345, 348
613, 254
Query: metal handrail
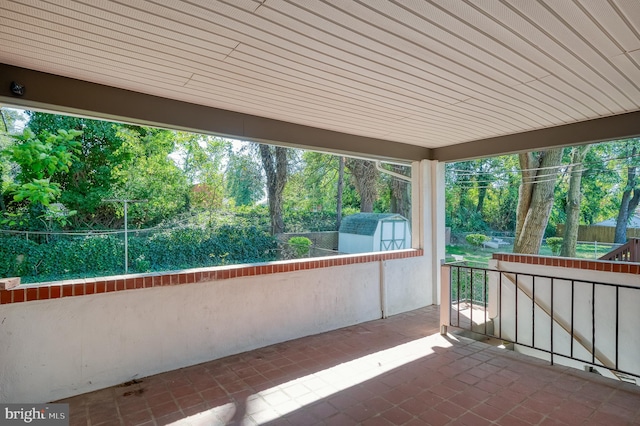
455, 290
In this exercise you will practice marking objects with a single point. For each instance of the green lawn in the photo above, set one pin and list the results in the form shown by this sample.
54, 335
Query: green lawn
481, 256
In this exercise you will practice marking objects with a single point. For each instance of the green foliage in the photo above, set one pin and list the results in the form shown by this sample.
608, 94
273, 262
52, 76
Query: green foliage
300, 245
61, 258
555, 243
89, 181
39, 159
476, 240
467, 219
244, 180
150, 175
191, 247
181, 175
73, 257
296, 220
467, 285
482, 195
195, 247
200, 159
313, 186
310, 221
38, 191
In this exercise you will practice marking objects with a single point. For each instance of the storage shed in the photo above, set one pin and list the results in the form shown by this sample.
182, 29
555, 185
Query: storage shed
371, 232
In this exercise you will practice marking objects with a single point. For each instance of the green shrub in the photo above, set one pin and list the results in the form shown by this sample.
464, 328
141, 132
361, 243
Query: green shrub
76, 257
300, 245
555, 244
476, 240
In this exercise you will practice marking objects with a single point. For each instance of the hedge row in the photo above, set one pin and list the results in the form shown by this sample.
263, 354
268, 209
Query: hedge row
73, 257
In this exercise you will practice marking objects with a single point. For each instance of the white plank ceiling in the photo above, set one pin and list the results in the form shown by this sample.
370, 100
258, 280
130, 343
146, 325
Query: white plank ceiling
425, 72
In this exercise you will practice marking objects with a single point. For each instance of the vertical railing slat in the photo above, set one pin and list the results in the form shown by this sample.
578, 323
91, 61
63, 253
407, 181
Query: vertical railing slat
593, 323
533, 310
484, 297
573, 285
552, 320
500, 304
458, 297
516, 309
617, 323
471, 298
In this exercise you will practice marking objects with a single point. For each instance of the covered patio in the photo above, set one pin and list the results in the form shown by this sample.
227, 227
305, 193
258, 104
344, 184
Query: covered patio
396, 371
412, 83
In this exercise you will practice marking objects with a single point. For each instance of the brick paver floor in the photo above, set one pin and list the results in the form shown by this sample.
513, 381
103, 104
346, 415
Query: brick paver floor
396, 371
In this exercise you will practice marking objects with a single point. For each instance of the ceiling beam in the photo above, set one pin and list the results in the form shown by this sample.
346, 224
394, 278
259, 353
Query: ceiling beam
604, 129
53, 93
49, 92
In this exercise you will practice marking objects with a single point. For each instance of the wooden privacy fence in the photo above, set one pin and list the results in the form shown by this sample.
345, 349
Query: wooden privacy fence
603, 234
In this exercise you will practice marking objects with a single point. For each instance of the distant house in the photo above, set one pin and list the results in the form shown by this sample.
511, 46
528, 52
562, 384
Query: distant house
633, 223
605, 231
371, 232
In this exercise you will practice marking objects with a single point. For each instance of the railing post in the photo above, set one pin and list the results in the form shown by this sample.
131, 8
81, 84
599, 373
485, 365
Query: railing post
445, 297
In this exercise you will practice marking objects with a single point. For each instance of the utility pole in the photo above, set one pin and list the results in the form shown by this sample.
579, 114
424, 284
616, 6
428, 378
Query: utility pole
126, 228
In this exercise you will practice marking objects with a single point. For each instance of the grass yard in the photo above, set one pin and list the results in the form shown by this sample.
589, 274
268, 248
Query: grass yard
481, 256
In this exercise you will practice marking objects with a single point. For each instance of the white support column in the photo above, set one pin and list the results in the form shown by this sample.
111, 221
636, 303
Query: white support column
437, 223
428, 215
417, 203
445, 298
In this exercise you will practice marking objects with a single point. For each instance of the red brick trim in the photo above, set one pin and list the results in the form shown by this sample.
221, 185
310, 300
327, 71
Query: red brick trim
81, 287
563, 262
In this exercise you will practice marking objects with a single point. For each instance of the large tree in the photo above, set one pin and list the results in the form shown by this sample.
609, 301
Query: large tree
574, 199
539, 171
599, 181
365, 177
244, 180
200, 157
631, 191
8, 118
150, 174
400, 193
274, 161
340, 192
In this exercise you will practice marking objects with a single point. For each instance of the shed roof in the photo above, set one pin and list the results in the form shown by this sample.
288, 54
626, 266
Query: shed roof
634, 222
365, 223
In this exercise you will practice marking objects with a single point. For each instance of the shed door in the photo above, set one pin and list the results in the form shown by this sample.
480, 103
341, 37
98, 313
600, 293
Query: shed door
393, 234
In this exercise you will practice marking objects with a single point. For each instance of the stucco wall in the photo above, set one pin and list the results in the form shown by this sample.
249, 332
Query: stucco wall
405, 285
52, 349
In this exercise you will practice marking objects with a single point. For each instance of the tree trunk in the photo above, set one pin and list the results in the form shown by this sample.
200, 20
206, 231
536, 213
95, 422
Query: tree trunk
340, 191
628, 204
574, 198
482, 194
274, 161
400, 197
364, 173
539, 174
